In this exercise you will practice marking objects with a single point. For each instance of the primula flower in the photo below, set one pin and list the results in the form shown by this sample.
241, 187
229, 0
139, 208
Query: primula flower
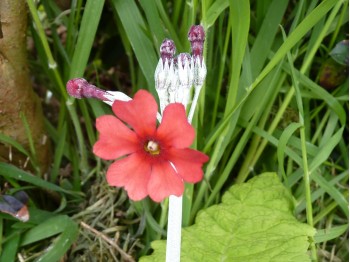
149, 160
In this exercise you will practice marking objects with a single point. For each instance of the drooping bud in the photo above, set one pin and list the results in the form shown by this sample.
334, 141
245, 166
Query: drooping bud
80, 88
196, 36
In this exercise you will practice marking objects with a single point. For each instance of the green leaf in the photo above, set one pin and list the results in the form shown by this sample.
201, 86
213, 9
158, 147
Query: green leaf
323, 235
10, 248
254, 222
87, 32
12, 142
136, 32
48, 228
10, 171
340, 53
69, 233
214, 11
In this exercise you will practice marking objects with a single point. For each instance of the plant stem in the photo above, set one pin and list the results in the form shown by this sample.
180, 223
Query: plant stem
309, 215
173, 244
197, 90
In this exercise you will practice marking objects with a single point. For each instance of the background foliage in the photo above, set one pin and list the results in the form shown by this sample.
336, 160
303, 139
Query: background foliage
264, 108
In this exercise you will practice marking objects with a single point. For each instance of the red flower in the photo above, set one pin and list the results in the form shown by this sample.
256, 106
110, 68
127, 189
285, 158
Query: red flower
150, 161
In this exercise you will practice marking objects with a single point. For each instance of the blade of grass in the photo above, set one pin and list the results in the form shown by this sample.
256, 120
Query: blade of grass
282, 144
10, 141
259, 53
154, 21
1, 234
59, 149
135, 27
13, 172
265, 103
214, 11
173, 30
305, 166
316, 194
325, 150
244, 172
292, 40
33, 154
330, 233
300, 31
62, 243
54, 135
332, 191
87, 31
240, 28
48, 228
10, 248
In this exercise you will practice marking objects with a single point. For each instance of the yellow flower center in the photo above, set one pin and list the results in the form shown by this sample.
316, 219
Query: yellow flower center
152, 147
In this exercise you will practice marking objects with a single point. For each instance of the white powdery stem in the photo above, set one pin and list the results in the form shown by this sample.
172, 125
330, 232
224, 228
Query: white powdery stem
163, 98
186, 96
179, 94
173, 244
115, 95
172, 96
197, 90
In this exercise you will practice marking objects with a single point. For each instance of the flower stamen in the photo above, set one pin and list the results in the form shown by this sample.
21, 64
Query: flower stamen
152, 147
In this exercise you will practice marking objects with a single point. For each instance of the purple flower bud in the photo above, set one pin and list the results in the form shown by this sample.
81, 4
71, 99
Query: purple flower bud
196, 36
183, 59
185, 69
196, 33
80, 88
167, 50
185, 78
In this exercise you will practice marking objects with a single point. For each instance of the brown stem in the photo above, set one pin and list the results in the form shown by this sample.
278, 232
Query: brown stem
17, 98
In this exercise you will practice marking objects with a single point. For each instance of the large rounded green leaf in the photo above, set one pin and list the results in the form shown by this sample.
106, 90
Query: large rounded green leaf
254, 222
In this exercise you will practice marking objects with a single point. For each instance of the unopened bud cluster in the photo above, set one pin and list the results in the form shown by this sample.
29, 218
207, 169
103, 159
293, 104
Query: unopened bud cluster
176, 75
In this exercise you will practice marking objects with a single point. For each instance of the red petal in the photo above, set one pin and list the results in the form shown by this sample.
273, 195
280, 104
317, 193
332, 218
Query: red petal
140, 113
115, 139
132, 173
164, 182
188, 163
174, 129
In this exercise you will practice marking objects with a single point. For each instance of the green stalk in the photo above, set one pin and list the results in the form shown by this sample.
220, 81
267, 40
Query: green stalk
306, 177
221, 73
325, 211
33, 154
1, 234
255, 154
164, 215
53, 66
309, 213
320, 127
40, 30
79, 134
342, 17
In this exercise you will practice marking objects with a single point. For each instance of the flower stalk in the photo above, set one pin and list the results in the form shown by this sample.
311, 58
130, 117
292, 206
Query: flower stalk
173, 244
175, 82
